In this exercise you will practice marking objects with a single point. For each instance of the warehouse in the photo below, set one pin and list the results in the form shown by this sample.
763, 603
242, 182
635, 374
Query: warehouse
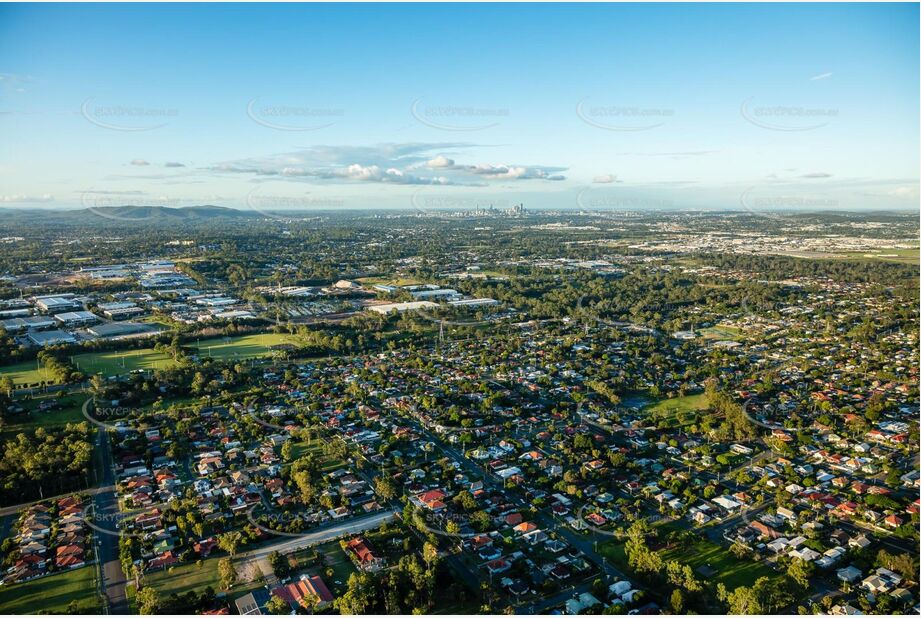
120, 310
444, 293
411, 306
76, 318
57, 304
50, 337
122, 329
37, 322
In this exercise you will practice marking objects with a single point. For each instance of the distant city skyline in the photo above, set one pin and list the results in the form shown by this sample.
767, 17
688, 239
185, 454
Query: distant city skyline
432, 107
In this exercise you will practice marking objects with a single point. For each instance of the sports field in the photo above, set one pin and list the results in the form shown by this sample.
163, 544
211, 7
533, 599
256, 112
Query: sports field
123, 361
245, 346
26, 373
721, 332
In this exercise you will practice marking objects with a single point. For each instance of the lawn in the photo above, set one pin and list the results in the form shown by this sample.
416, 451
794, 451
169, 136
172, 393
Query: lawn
221, 348
244, 346
188, 577
327, 464
387, 281
26, 373
52, 594
670, 408
904, 256
340, 564
721, 333
185, 577
121, 361
31, 419
729, 570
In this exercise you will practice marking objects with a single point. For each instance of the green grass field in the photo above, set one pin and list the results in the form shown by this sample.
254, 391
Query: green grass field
121, 361
676, 405
729, 571
327, 464
721, 333
26, 373
52, 594
244, 346
387, 281
903, 256
185, 577
69, 412
221, 348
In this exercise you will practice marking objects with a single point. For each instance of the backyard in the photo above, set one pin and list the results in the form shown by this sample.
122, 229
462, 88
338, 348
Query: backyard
53, 594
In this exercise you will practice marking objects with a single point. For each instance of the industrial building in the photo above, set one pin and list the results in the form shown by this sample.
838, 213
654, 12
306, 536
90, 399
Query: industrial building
50, 337
57, 303
38, 322
76, 318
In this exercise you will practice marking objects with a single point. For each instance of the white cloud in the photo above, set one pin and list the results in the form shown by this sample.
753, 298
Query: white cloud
439, 162
410, 163
605, 179
821, 76
26, 199
139, 162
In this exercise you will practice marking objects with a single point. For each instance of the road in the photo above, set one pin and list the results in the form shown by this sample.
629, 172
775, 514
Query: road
10, 510
320, 535
112, 581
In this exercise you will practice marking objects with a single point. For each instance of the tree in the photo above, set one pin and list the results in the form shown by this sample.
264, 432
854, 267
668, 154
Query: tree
677, 601
800, 571
97, 384
227, 573
358, 596
279, 564
6, 385
277, 606
384, 487
429, 553
230, 542
304, 484
743, 600
148, 600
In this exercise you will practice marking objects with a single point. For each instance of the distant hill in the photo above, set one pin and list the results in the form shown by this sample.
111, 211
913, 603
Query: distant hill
129, 214
151, 213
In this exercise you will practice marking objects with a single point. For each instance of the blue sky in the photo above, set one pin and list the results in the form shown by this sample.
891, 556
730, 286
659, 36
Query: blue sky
317, 106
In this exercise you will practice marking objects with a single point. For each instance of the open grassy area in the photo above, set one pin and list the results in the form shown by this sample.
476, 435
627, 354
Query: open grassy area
69, 412
121, 361
187, 577
327, 464
222, 348
729, 571
677, 405
183, 578
340, 564
53, 594
26, 373
244, 346
387, 281
721, 333
903, 256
